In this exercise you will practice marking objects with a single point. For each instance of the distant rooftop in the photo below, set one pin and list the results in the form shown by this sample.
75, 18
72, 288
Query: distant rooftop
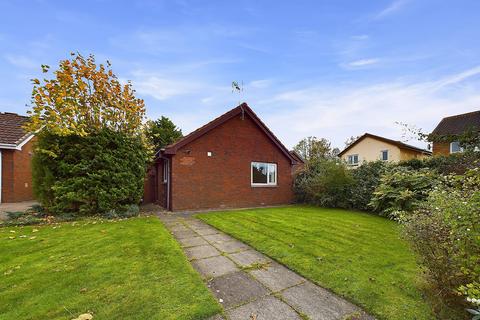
11, 131
458, 124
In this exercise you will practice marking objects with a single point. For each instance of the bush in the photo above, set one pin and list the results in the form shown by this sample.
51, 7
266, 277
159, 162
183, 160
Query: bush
366, 179
457, 163
325, 183
402, 189
88, 175
445, 232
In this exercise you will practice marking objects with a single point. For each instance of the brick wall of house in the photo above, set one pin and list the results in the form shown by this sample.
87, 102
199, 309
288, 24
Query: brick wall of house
224, 179
441, 148
17, 174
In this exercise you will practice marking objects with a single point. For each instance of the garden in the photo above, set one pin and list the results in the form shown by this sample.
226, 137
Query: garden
435, 202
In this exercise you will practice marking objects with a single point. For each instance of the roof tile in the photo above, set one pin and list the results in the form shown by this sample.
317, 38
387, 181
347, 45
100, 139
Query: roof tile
11, 131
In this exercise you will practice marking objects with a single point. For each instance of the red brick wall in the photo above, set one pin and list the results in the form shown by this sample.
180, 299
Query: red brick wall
441, 148
223, 180
17, 174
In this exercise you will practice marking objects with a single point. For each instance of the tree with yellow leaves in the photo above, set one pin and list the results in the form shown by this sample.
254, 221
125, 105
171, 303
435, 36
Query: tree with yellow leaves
83, 98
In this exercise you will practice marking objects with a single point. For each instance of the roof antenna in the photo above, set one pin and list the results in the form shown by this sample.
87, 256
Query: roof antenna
238, 88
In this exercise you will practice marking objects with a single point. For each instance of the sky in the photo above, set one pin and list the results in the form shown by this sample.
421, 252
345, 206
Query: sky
331, 69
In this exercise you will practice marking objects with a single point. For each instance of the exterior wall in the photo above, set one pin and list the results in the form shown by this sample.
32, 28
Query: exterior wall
410, 154
17, 174
441, 148
369, 150
224, 179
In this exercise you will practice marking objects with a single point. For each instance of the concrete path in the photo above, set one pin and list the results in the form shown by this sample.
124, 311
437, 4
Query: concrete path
248, 284
14, 207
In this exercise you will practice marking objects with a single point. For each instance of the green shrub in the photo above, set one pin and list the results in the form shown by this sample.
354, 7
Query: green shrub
445, 232
89, 175
402, 189
457, 163
325, 183
366, 179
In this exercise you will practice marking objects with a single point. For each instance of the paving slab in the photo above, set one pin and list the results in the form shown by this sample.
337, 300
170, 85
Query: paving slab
201, 252
218, 238
184, 234
236, 288
214, 266
178, 227
249, 257
231, 246
318, 303
268, 308
276, 277
192, 242
206, 231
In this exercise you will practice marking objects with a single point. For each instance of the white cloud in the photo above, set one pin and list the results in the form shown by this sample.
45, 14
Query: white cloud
22, 61
162, 88
391, 8
260, 84
339, 112
361, 63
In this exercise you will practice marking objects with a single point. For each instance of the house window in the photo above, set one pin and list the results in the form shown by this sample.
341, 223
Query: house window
352, 160
455, 147
165, 171
384, 155
264, 174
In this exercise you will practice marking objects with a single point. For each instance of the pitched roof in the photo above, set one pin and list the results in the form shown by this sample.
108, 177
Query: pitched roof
11, 131
397, 143
297, 156
458, 124
172, 148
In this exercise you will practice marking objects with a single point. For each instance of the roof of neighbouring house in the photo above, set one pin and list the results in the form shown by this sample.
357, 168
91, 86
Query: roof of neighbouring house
397, 143
458, 124
11, 130
297, 156
172, 148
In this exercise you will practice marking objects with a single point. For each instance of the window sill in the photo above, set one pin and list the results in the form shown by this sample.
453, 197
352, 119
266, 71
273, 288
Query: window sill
264, 185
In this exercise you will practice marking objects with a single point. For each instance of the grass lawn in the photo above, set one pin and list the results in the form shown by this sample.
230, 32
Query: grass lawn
130, 269
356, 255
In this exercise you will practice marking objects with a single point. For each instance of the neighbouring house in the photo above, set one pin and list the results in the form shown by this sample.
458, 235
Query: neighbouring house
450, 128
233, 161
15, 157
370, 147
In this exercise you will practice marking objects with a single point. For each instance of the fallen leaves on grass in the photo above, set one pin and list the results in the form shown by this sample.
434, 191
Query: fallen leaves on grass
84, 316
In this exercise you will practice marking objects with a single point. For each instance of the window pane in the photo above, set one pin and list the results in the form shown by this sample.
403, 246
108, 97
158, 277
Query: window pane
272, 173
259, 172
455, 147
385, 155
355, 158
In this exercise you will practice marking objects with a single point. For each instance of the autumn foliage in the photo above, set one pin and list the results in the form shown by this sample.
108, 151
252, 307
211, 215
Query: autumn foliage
84, 97
91, 155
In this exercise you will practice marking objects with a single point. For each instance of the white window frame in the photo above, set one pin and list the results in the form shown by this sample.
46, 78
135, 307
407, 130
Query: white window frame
381, 155
268, 184
451, 151
353, 157
165, 171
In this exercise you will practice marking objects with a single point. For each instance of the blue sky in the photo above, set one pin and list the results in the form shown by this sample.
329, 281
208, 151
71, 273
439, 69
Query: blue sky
330, 69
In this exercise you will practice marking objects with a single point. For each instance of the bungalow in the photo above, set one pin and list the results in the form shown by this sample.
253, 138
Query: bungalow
233, 161
15, 157
445, 136
370, 147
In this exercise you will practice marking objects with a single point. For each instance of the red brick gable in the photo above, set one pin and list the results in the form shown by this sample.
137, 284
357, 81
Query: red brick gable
214, 170
243, 110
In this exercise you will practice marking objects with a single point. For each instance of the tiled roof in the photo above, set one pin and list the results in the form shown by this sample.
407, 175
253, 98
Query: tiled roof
241, 109
397, 143
11, 131
458, 124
